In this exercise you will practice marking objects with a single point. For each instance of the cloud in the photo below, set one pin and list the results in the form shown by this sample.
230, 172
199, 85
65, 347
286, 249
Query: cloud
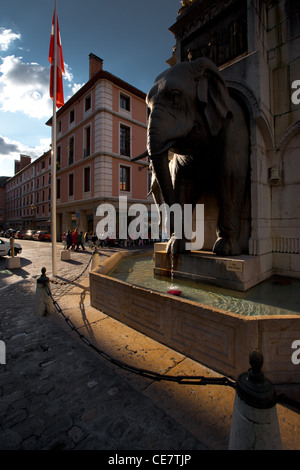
7, 36
7, 148
10, 150
24, 87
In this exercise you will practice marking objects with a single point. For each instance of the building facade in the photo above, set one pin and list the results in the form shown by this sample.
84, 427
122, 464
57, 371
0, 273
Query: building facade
99, 130
3, 180
28, 194
256, 45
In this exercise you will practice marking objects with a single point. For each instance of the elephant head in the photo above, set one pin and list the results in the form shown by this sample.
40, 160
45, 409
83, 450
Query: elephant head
189, 104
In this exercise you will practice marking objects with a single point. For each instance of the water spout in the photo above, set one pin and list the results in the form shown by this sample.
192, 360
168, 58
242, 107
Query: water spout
174, 290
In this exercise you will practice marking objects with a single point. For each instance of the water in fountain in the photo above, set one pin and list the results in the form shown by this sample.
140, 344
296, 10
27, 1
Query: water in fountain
271, 297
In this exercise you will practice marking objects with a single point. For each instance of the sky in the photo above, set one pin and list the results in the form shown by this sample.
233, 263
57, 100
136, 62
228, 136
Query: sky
131, 36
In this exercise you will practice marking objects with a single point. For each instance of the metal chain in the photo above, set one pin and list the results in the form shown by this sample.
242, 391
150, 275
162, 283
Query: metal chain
180, 379
70, 281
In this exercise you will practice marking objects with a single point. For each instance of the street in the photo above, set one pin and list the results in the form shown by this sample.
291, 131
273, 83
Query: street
36, 255
55, 393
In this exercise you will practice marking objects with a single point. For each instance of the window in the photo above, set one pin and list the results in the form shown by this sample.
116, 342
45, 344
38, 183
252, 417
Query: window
124, 102
71, 184
58, 189
71, 150
124, 178
58, 158
87, 103
87, 141
72, 116
87, 179
124, 140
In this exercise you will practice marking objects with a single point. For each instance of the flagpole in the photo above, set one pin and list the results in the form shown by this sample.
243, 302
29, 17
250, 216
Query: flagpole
53, 160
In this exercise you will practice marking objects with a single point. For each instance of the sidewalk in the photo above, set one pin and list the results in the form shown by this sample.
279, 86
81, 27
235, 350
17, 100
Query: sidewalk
57, 393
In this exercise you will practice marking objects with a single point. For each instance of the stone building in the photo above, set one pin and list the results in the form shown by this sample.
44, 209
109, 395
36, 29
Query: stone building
99, 129
3, 180
256, 45
28, 194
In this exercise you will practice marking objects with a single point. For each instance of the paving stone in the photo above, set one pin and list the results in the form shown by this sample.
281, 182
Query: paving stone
10, 440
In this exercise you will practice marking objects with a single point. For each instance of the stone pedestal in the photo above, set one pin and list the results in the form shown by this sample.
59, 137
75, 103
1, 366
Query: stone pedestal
232, 272
13, 263
253, 428
43, 304
65, 255
254, 420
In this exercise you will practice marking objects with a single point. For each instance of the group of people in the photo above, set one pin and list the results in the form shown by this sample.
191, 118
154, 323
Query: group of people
75, 240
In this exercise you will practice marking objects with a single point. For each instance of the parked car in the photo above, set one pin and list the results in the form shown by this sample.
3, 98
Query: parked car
5, 248
29, 234
41, 235
20, 234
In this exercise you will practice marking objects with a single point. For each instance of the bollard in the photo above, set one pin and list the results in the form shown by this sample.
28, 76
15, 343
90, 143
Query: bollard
13, 261
12, 246
65, 255
43, 304
254, 421
96, 259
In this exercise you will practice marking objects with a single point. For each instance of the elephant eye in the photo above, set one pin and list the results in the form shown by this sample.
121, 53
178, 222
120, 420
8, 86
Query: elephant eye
175, 95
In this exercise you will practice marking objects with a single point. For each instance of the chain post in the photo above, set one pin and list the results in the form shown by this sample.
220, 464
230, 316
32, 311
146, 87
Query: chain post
43, 304
95, 258
254, 420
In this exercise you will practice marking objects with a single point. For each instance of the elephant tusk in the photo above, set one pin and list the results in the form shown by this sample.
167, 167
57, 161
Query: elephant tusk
147, 154
143, 155
163, 150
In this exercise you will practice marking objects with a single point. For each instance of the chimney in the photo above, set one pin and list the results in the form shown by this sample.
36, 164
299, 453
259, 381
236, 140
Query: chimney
22, 163
96, 64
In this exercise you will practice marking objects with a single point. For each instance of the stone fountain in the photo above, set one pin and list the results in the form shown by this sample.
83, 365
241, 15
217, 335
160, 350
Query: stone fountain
254, 212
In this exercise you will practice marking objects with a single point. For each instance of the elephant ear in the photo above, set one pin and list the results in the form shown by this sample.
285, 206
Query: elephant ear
213, 93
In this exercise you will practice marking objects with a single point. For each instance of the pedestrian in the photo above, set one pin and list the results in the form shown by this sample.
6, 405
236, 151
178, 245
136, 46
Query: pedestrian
74, 239
68, 240
94, 239
85, 238
80, 241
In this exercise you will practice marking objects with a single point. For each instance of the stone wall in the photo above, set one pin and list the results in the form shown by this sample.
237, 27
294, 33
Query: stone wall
262, 73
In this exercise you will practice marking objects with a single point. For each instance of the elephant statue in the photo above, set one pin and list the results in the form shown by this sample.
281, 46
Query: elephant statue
192, 115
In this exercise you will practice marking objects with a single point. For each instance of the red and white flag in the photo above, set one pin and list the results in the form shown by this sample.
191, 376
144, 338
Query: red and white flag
59, 66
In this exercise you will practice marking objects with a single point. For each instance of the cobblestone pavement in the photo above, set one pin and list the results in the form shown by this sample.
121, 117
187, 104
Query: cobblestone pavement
56, 393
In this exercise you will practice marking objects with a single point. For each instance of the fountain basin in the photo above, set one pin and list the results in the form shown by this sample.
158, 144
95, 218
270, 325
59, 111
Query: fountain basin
218, 339
235, 272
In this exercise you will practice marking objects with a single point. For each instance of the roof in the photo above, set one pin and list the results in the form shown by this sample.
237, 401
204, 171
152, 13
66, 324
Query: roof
3, 180
102, 74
